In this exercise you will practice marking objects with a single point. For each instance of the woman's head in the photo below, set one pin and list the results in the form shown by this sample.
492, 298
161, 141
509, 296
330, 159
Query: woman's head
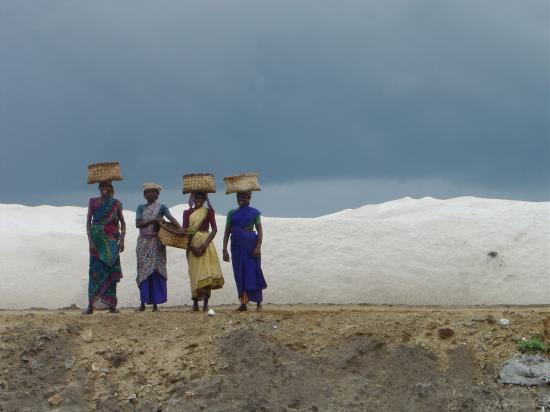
199, 198
106, 189
151, 195
151, 191
243, 198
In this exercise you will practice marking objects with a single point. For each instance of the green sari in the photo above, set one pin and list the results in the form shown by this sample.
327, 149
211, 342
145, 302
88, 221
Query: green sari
105, 271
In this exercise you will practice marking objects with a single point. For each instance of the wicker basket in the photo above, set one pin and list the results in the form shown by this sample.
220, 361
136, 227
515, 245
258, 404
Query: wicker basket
101, 172
199, 182
170, 235
247, 182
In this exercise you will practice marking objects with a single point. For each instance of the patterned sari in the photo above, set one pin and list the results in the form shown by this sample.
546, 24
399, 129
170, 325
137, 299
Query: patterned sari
105, 271
151, 259
246, 268
205, 272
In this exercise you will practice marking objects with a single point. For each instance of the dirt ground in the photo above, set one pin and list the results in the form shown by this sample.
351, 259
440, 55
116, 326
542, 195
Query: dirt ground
286, 358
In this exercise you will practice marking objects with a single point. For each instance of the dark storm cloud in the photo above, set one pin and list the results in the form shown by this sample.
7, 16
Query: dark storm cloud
300, 91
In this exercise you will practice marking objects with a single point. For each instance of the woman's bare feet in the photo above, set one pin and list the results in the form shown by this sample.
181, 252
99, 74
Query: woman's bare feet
89, 310
195, 305
259, 307
155, 308
241, 308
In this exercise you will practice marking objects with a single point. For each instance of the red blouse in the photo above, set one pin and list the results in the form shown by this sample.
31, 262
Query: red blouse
209, 221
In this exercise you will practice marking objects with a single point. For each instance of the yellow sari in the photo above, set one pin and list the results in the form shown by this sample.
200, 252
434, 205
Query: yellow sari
205, 272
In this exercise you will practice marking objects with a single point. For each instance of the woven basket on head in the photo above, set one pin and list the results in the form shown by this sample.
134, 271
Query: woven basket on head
247, 182
199, 182
170, 235
101, 172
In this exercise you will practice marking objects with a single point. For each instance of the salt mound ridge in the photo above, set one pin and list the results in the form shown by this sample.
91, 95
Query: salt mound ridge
408, 251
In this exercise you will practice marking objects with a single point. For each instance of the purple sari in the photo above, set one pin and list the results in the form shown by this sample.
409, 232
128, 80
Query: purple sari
246, 268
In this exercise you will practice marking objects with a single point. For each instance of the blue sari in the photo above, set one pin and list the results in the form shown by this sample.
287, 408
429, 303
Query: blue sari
246, 268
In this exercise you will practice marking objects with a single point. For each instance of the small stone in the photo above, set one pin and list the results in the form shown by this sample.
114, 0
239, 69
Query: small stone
490, 319
189, 394
445, 332
68, 363
104, 370
493, 254
95, 367
422, 389
504, 322
211, 312
431, 326
87, 335
55, 400
132, 397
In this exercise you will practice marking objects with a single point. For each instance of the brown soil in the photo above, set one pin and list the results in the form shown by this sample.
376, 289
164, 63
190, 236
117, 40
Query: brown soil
286, 358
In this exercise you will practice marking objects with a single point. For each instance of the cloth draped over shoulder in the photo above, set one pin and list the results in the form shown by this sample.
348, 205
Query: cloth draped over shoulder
247, 269
150, 252
105, 271
205, 273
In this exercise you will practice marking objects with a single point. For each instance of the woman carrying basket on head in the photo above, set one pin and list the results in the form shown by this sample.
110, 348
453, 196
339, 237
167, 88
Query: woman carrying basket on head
205, 273
150, 252
105, 243
245, 242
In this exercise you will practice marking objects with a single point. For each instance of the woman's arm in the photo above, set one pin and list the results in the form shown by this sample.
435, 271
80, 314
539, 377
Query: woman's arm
212, 235
185, 223
226, 239
91, 244
171, 218
140, 223
257, 250
122, 229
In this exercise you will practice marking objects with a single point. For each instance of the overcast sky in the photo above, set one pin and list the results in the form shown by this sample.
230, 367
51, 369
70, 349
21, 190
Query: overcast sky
335, 103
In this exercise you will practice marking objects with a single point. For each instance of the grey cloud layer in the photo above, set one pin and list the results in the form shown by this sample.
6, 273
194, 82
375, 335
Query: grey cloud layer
457, 91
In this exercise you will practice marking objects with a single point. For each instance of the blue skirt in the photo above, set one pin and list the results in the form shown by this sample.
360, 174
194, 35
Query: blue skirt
247, 269
153, 290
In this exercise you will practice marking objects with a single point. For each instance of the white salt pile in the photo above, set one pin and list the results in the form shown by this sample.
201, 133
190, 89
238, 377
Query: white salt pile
411, 251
